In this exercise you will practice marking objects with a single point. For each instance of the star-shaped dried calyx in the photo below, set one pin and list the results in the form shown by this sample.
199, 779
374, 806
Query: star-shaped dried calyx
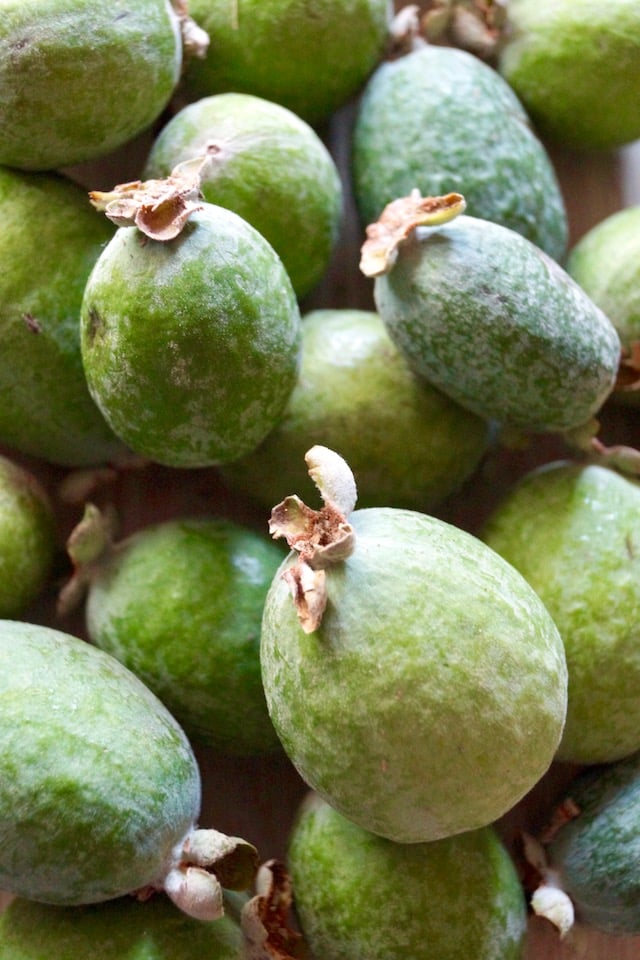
195, 40
320, 537
158, 208
268, 933
478, 26
548, 899
397, 223
88, 545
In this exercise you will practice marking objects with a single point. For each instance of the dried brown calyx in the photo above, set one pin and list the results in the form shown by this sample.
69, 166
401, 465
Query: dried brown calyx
265, 918
397, 223
195, 40
628, 380
478, 26
320, 537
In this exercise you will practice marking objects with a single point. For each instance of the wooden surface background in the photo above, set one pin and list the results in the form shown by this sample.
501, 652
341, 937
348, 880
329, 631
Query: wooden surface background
257, 799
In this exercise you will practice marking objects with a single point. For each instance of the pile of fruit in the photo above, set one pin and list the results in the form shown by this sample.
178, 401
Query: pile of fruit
319, 496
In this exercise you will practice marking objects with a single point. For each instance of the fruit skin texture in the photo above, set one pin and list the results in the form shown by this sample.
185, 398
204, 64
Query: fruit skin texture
575, 64
361, 897
487, 317
98, 783
77, 80
27, 538
190, 346
311, 58
573, 532
270, 167
441, 120
432, 696
45, 407
596, 853
407, 443
606, 264
180, 604
153, 930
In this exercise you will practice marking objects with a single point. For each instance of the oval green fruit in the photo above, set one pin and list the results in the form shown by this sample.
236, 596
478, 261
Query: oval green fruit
575, 64
45, 407
573, 532
433, 694
490, 319
180, 604
98, 784
268, 166
440, 120
153, 930
311, 58
27, 538
407, 443
77, 80
361, 897
190, 345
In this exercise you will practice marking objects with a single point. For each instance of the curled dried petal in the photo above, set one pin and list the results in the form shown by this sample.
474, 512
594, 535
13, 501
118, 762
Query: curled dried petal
233, 861
196, 892
268, 934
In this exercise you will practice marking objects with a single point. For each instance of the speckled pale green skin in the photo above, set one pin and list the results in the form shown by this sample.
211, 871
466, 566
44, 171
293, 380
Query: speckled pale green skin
98, 783
575, 64
407, 443
361, 897
124, 928
497, 325
190, 346
180, 604
78, 79
441, 120
311, 58
50, 240
27, 538
597, 853
433, 695
606, 264
270, 167
573, 532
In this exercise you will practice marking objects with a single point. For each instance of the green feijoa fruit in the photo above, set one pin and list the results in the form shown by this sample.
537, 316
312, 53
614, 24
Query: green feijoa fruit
310, 58
440, 120
407, 443
99, 786
180, 603
573, 532
267, 165
606, 264
78, 80
575, 64
362, 897
418, 683
594, 854
27, 537
190, 345
121, 928
498, 325
49, 242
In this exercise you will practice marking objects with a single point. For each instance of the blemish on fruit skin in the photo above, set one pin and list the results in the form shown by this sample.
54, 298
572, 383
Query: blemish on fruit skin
95, 325
629, 544
32, 323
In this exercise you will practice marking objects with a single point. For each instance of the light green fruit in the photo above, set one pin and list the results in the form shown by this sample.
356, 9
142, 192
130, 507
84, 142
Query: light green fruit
180, 604
79, 79
606, 264
27, 538
573, 532
98, 784
575, 64
499, 326
153, 930
432, 696
190, 346
361, 897
440, 120
267, 165
311, 58
407, 443
49, 243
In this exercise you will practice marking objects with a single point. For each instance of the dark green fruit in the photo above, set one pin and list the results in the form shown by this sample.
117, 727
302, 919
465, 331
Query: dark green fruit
361, 897
268, 166
45, 408
439, 120
190, 345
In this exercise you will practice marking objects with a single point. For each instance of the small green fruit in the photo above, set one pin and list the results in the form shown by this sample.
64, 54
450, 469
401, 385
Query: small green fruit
361, 897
